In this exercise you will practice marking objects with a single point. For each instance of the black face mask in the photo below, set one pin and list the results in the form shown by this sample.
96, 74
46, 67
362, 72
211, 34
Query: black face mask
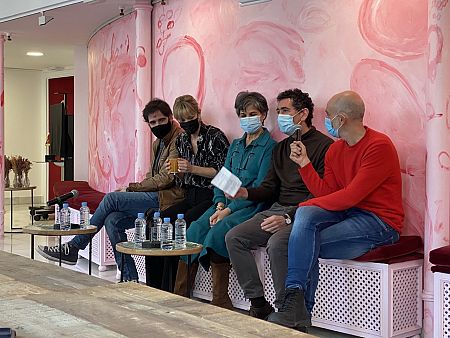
162, 130
190, 127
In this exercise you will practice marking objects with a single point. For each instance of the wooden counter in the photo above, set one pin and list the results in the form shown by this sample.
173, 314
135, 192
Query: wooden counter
42, 300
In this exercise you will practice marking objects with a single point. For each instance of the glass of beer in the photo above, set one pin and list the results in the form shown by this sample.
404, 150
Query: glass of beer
173, 163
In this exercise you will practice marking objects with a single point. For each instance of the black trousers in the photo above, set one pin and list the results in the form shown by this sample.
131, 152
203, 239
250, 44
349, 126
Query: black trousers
197, 201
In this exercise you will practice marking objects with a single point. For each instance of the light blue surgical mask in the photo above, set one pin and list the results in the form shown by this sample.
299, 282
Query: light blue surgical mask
287, 125
329, 126
250, 124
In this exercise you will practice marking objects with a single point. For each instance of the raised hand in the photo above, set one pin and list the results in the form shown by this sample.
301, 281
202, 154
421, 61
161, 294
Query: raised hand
184, 166
298, 153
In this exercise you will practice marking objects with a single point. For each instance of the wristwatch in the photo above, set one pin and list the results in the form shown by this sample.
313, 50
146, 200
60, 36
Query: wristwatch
287, 219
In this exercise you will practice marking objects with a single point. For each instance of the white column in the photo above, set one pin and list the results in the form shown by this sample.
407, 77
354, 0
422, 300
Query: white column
2, 135
438, 147
143, 88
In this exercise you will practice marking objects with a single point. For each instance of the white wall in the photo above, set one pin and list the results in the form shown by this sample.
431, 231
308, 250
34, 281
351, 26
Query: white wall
81, 113
25, 123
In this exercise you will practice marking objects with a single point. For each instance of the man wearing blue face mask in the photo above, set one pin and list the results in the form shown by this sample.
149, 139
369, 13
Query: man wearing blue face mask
283, 186
357, 205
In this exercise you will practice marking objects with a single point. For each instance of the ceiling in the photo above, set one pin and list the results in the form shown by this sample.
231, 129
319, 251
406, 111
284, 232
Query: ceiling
71, 26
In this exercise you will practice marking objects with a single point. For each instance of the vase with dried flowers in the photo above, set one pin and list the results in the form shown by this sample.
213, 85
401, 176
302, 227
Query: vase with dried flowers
18, 165
26, 170
7, 170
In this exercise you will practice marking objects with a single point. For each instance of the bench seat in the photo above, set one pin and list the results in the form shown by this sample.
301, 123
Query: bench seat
368, 299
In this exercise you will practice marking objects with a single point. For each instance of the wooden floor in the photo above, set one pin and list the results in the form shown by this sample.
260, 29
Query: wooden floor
43, 300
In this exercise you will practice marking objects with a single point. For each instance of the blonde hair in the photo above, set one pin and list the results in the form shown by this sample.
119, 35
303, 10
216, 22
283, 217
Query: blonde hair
185, 108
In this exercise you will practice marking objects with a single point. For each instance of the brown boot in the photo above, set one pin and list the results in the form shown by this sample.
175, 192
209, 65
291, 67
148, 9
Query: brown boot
220, 280
181, 280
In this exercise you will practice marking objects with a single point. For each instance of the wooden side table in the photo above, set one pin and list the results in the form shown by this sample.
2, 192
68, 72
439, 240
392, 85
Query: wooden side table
48, 230
130, 248
11, 190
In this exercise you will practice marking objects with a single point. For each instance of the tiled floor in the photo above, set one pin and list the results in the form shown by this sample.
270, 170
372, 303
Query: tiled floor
19, 243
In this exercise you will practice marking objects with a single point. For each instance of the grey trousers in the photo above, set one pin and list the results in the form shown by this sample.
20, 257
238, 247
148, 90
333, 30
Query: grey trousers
249, 236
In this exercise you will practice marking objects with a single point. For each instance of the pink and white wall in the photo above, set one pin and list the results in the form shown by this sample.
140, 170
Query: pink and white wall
393, 52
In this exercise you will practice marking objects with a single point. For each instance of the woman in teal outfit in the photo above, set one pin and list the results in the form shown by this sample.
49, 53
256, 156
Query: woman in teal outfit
248, 158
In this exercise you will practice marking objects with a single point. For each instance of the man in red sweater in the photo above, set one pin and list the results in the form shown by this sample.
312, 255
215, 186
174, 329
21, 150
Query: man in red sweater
357, 206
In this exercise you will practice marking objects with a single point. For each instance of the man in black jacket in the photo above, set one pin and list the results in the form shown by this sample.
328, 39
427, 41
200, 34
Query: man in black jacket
283, 185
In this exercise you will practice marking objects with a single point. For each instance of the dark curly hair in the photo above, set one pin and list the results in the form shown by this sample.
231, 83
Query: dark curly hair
153, 106
300, 100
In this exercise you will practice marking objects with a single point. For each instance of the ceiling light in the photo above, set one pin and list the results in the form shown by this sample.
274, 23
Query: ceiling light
35, 53
251, 2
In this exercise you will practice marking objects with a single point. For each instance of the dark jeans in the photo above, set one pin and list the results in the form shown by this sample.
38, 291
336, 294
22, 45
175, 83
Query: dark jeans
115, 224
124, 203
332, 235
197, 201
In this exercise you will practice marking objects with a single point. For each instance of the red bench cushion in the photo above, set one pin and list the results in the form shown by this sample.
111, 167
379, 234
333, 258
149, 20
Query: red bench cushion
440, 268
406, 248
440, 256
85, 194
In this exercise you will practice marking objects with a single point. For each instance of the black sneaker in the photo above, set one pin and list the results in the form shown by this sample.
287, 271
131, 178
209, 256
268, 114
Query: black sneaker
293, 312
69, 253
261, 312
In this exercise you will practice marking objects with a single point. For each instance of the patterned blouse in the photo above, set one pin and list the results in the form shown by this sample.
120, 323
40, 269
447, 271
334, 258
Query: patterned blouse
212, 148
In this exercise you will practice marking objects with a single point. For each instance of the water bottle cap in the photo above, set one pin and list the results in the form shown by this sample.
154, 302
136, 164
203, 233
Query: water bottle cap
140, 215
65, 205
156, 214
84, 204
180, 216
166, 219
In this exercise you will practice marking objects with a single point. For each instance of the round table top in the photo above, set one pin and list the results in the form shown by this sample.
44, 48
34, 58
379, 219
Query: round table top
21, 188
131, 249
47, 230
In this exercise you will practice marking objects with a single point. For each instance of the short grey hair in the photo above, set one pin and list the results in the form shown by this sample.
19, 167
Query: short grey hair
255, 100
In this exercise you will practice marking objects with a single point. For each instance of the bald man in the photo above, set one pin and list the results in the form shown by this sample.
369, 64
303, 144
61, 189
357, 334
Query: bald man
357, 206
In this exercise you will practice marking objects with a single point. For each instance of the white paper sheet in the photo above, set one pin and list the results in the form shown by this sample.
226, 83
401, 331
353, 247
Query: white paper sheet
227, 182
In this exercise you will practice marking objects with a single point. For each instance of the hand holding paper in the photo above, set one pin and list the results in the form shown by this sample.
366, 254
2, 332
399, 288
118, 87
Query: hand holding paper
227, 182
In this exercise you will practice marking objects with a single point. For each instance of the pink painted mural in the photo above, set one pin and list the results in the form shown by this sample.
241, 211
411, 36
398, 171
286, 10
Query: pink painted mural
377, 47
112, 101
390, 51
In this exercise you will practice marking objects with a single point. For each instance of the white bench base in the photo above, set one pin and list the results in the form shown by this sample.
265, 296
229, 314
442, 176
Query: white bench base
359, 298
441, 305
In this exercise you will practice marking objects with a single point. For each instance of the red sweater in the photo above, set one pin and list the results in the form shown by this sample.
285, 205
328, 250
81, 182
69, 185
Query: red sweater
365, 175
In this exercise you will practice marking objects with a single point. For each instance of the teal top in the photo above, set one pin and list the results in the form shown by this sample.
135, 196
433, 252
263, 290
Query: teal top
249, 163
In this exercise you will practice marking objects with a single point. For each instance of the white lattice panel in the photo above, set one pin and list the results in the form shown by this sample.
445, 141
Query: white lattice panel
349, 296
352, 297
269, 290
406, 313
446, 310
441, 305
139, 261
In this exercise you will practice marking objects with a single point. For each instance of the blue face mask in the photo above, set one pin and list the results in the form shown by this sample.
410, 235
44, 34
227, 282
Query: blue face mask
250, 124
329, 126
287, 125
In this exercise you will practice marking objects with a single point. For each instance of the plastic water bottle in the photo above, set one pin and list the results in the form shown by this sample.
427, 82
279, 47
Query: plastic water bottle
139, 229
57, 215
155, 231
65, 217
84, 215
180, 232
166, 235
